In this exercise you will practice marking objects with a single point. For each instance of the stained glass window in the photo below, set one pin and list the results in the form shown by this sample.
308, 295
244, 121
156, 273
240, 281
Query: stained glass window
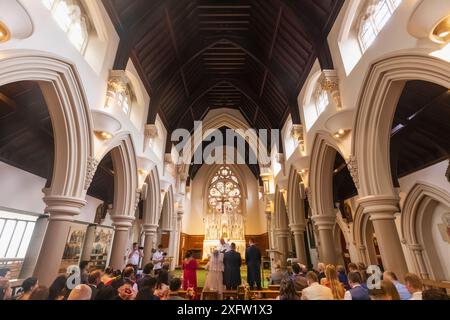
224, 194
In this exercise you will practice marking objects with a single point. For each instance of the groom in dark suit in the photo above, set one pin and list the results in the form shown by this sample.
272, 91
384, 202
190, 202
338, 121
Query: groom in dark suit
253, 261
232, 268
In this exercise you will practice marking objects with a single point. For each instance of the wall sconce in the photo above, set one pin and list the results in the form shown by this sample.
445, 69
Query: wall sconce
341, 133
103, 135
441, 32
142, 172
5, 34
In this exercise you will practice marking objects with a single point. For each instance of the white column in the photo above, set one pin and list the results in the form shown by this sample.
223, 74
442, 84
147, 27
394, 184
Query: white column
88, 243
299, 238
122, 225
61, 210
149, 241
325, 225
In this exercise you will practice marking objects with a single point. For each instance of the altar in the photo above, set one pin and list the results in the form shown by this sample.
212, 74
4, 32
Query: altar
223, 216
210, 245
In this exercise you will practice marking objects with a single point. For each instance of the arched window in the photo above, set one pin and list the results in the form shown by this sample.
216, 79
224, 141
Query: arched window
70, 17
321, 99
373, 20
224, 193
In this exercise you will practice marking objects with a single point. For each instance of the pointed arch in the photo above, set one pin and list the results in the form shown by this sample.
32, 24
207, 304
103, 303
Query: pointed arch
152, 202
168, 212
295, 197
376, 107
69, 112
281, 215
123, 156
416, 217
320, 180
229, 121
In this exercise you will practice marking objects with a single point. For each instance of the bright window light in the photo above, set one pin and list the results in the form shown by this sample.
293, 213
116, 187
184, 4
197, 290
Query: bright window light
70, 19
374, 21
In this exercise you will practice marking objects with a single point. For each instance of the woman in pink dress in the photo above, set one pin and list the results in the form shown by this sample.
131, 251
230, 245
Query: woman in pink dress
190, 267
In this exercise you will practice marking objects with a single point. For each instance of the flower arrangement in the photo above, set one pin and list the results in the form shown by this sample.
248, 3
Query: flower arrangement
190, 293
248, 293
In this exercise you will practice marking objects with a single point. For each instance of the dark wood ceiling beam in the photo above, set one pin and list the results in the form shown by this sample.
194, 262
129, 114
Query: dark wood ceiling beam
316, 29
175, 47
8, 101
130, 34
269, 56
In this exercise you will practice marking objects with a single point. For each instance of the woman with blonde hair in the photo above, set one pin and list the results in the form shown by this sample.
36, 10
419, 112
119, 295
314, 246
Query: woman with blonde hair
331, 281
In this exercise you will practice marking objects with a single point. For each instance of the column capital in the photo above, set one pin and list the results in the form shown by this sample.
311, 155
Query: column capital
324, 221
282, 232
122, 223
298, 228
380, 207
63, 207
150, 228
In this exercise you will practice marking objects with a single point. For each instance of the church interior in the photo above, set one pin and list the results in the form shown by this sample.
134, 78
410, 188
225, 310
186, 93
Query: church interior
338, 112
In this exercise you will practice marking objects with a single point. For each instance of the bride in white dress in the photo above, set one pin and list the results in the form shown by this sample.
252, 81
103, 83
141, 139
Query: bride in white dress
214, 278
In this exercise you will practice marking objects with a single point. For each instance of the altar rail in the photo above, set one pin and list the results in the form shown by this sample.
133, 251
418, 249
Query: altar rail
428, 284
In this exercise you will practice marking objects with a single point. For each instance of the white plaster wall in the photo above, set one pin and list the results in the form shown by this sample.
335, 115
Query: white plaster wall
434, 174
193, 217
21, 190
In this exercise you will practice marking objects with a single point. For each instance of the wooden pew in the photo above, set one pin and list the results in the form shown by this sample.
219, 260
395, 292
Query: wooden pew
274, 287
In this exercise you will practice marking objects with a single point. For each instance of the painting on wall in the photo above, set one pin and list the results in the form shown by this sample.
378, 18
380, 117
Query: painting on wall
101, 246
74, 245
444, 228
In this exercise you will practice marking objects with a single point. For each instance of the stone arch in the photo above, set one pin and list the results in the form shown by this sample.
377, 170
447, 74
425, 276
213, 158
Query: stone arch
152, 211
376, 107
152, 200
296, 212
167, 211
126, 193
362, 231
68, 107
229, 121
281, 222
123, 154
69, 112
416, 217
321, 173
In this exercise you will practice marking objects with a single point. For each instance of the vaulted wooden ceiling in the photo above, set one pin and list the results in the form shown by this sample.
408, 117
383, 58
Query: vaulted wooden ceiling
420, 133
196, 55
26, 137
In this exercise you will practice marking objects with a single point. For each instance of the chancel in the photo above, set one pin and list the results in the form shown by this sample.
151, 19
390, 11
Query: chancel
224, 150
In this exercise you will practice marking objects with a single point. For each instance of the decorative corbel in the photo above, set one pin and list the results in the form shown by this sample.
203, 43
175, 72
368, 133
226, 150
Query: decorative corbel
298, 135
330, 82
91, 168
352, 166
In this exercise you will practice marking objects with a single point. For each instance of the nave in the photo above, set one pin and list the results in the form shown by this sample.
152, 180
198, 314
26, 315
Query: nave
223, 150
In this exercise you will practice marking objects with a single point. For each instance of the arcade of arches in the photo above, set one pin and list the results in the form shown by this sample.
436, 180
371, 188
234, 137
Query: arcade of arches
359, 170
